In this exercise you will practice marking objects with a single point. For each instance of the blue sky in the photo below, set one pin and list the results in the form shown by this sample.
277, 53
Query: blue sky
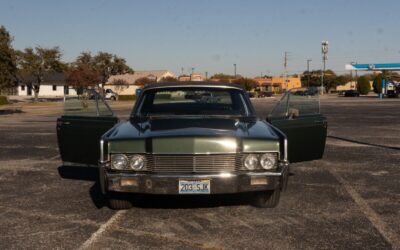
212, 35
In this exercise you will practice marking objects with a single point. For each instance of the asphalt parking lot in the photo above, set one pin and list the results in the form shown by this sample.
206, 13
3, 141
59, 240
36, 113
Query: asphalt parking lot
348, 200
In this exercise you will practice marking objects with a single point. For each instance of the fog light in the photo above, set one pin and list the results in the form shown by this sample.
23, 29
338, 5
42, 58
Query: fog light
128, 182
258, 181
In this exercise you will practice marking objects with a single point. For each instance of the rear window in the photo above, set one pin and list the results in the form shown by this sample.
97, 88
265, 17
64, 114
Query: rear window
193, 101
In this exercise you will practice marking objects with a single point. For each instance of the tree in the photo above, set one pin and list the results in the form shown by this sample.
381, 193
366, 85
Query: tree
169, 79
105, 64
247, 83
377, 84
8, 67
144, 81
81, 76
223, 77
120, 85
38, 62
331, 80
363, 85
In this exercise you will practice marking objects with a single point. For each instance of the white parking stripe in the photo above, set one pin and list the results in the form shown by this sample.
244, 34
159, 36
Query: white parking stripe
88, 244
391, 236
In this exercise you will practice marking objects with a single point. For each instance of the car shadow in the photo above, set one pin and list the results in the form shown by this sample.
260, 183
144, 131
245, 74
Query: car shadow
86, 173
10, 111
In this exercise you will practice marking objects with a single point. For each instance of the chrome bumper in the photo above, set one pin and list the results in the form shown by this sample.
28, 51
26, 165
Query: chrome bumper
224, 183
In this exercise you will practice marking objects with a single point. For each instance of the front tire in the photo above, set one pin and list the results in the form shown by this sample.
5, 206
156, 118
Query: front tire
268, 199
118, 201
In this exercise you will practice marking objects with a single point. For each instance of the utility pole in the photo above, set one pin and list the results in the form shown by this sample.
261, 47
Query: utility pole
324, 50
308, 72
285, 66
182, 71
206, 75
234, 70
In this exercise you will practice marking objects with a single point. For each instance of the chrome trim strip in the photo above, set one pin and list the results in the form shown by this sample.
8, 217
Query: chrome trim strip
193, 86
194, 176
101, 150
286, 150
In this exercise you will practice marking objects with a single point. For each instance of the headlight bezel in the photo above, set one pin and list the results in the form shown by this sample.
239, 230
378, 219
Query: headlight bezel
130, 159
273, 156
114, 158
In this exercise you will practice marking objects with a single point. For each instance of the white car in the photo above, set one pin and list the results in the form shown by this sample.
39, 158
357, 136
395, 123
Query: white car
110, 95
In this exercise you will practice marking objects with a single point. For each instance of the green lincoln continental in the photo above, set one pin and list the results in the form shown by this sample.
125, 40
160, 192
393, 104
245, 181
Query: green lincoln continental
192, 139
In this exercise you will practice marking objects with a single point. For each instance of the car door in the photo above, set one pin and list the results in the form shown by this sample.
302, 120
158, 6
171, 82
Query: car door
298, 116
86, 118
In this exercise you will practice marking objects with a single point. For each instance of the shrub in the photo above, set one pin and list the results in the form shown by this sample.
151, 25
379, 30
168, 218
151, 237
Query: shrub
363, 85
127, 98
378, 84
3, 100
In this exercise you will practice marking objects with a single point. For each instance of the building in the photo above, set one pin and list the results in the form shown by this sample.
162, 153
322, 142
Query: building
286, 83
277, 84
195, 77
53, 85
130, 79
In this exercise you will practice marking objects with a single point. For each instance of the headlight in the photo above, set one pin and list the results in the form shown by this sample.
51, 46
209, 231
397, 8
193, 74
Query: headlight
119, 161
137, 162
251, 162
268, 161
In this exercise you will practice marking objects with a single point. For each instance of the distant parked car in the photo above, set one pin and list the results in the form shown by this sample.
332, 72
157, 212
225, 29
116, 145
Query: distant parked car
251, 94
342, 92
111, 95
351, 93
264, 94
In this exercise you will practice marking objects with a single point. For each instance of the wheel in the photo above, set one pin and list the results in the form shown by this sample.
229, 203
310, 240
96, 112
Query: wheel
268, 199
118, 201
113, 98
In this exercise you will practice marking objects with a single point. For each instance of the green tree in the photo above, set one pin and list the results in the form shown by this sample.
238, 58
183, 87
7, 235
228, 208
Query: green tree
247, 83
377, 84
331, 80
105, 64
363, 85
8, 67
38, 62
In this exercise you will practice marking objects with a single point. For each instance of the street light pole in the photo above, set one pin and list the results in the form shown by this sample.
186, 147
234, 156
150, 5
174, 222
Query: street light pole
234, 70
308, 72
324, 49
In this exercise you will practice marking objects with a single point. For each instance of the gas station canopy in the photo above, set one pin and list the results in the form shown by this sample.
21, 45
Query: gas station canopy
373, 66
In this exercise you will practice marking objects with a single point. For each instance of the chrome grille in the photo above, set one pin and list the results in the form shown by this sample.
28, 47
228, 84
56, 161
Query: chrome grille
192, 163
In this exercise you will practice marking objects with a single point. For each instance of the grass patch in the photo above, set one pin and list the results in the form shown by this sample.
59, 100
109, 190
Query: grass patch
3, 100
127, 98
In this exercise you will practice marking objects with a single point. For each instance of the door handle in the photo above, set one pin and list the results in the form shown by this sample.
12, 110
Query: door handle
59, 123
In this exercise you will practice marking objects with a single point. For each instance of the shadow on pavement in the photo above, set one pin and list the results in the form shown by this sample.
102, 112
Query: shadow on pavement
10, 111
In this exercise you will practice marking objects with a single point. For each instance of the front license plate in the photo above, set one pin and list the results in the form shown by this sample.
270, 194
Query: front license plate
194, 187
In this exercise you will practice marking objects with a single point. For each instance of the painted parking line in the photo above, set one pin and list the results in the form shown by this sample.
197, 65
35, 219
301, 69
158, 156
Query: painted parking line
89, 243
390, 236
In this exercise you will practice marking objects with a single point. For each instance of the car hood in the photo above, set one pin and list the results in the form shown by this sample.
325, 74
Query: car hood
192, 127
172, 136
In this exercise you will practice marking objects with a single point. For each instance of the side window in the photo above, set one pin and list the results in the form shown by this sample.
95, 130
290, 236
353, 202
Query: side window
296, 103
90, 103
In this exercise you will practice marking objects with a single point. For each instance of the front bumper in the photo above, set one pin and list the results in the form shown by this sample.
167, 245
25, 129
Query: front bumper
225, 183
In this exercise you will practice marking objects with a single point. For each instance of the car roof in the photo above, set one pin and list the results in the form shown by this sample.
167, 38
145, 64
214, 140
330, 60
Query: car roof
205, 84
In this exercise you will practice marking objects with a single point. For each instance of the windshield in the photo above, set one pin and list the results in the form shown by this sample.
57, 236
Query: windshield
193, 102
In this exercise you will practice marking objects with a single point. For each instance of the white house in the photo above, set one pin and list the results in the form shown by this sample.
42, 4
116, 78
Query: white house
130, 79
53, 85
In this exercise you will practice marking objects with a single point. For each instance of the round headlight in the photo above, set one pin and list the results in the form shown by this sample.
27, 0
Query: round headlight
137, 162
251, 162
119, 162
268, 161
